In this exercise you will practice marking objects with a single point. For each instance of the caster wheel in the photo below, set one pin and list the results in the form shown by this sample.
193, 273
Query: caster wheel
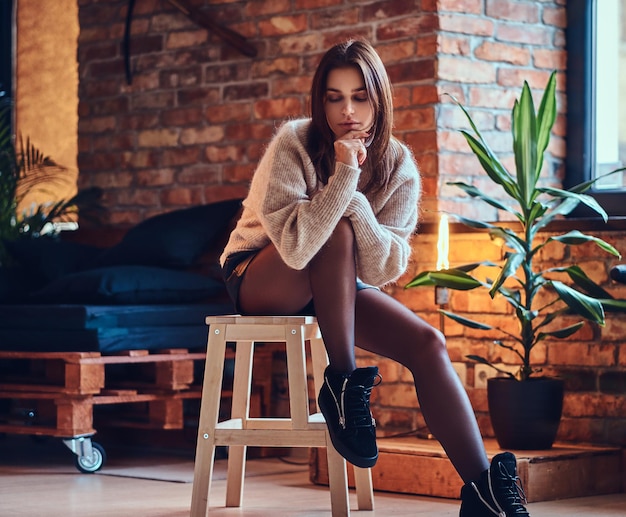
88, 465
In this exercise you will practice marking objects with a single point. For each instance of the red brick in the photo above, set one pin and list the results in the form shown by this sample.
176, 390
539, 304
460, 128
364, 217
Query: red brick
300, 43
407, 27
154, 177
396, 51
415, 119
280, 25
181, 117
181, 196
523, 33
477, 26
180, 156
556, 16
278, 108
465, 70
332, 18
454, 45
411, 71
492, 51
255, 9
461, 6
526, 12
551, 59
200, 174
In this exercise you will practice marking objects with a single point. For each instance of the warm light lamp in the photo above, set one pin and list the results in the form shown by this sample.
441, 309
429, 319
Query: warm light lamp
443, 243
443, 249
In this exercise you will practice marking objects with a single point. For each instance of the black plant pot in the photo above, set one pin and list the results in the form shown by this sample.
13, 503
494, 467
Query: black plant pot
525, 415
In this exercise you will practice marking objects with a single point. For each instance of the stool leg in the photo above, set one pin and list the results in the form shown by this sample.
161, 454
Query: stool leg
242, 384
364, 489
209, 414
319, 361
337, 481
297, 377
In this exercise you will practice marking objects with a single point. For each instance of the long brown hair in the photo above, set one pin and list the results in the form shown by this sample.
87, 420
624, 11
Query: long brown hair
380, 155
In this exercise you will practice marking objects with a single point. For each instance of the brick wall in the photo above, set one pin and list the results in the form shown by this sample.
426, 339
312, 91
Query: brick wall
198, 115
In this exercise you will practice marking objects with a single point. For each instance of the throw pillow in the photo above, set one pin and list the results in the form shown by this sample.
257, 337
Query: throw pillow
47, 258
175, 239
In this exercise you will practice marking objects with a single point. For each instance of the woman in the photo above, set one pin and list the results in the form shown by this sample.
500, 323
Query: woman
327, 220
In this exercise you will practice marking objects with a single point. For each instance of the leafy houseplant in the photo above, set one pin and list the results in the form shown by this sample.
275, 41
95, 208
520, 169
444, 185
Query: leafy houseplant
538, 297
24, 170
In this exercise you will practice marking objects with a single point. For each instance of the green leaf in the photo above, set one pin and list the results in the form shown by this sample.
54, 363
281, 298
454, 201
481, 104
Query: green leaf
472, 191
473, 223
513, 261
524, 129
580, 303
451, 278
509, 237
546, 116
562, 208
586, 185
580, 278
613, 305
491, 164
484, 361
579, 198
576, 237
561, 333
466, 321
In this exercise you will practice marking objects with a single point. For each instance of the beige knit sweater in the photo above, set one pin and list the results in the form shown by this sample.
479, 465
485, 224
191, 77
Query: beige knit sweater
288, 206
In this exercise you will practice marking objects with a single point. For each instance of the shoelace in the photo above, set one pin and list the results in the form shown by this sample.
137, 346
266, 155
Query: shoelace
515, 498
514, 490
357, 399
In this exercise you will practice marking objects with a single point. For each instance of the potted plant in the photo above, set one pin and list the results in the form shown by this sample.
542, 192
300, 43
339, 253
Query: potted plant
25, 170
539, 298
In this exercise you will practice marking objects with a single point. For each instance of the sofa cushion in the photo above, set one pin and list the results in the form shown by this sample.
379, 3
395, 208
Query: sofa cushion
175, 239
15, 284
128, 285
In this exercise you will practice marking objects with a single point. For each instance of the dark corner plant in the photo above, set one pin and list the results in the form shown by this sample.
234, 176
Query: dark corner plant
517, 278
25, 170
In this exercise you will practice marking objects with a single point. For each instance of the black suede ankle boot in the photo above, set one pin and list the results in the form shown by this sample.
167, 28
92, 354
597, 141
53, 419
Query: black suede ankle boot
498, 492
344, 400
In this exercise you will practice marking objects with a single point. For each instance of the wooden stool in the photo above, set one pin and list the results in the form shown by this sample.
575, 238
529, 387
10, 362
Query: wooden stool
302, 429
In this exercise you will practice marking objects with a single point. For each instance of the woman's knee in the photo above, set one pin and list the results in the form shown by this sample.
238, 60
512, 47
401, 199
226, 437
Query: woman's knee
430, 345
343, 233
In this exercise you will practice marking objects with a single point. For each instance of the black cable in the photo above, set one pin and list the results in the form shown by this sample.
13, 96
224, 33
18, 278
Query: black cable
129, 21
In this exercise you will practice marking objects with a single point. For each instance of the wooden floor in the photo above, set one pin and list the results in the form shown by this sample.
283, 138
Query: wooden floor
38, 479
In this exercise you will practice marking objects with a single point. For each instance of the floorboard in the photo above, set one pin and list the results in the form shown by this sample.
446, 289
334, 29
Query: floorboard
38, 478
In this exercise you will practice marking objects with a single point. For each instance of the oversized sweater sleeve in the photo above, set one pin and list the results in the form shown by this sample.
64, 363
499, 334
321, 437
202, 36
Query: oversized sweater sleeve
297, 218
383, 226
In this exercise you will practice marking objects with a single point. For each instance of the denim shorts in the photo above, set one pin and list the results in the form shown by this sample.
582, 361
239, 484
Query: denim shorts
235, 267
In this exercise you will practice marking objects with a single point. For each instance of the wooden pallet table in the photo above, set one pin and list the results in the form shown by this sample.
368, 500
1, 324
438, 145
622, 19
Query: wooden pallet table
421, 467
55, 392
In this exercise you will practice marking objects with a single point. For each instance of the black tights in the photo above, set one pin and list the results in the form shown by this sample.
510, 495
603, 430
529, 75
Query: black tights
379, 324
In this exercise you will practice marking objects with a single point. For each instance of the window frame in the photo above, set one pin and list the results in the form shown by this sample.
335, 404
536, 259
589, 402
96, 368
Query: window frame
581, 91
7, 16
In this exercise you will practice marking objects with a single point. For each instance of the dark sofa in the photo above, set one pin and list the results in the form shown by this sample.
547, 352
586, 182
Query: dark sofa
109, 290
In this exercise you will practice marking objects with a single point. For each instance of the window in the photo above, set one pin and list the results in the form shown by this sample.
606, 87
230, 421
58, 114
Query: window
596, 100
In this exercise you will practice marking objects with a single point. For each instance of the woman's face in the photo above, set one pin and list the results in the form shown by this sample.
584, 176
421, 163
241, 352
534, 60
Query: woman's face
347, 104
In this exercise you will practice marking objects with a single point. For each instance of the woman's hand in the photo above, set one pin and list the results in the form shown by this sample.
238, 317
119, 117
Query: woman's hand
350, 148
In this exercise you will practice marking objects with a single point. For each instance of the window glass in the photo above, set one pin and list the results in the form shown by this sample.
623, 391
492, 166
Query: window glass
610, 92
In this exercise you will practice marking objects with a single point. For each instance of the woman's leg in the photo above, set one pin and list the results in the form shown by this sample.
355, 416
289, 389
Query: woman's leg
270, 287
386, 327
